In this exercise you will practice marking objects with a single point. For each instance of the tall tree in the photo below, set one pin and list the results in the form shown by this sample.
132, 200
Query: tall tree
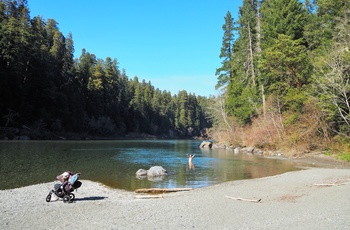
224, 72
242, 89
246, 43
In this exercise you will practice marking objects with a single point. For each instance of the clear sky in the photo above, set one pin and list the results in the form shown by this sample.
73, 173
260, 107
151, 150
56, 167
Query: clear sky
174, 44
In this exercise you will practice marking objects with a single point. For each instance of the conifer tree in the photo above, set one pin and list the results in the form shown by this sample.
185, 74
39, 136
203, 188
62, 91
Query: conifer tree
242, 88
224, 72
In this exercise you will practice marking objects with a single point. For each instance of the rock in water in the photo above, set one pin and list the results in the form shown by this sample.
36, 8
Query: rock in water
141, 172
206, 144
155, 171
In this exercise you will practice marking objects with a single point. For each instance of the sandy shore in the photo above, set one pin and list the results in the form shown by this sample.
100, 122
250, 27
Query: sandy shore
317, 198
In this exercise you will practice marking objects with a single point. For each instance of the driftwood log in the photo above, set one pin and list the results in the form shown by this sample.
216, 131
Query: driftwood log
161, 190
329, 185
243, 199
338, 182
147, 196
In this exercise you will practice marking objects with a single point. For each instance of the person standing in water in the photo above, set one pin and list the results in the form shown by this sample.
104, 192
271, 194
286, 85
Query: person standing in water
190, 163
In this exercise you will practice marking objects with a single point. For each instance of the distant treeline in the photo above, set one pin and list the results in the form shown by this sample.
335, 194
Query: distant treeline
44, 89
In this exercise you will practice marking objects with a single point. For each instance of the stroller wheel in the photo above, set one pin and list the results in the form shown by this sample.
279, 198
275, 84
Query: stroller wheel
71, 196
48, 198
66, 199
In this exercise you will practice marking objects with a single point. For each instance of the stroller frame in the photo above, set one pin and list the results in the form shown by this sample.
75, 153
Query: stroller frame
61, 192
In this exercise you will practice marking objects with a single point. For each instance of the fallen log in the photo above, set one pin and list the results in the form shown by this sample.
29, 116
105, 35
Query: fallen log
329, 185
148, 196
242, 199
338, 182
161, 190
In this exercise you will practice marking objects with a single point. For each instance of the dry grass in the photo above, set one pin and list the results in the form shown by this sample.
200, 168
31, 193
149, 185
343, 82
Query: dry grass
292, 132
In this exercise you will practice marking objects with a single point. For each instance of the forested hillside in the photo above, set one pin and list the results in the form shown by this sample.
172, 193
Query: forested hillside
285, 76
46, 92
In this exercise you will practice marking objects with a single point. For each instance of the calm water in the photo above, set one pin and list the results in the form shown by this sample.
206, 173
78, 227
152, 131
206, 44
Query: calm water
114, 163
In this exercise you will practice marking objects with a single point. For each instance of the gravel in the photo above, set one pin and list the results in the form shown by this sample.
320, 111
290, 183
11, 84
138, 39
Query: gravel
314, 198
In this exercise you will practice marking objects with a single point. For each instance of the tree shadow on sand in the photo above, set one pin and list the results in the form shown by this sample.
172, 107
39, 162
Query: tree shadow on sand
91, 198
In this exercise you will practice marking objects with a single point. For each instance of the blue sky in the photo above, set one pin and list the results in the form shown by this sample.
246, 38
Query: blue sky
174, 44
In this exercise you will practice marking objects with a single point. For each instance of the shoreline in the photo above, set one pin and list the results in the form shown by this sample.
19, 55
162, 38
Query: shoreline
319, 160
313, 198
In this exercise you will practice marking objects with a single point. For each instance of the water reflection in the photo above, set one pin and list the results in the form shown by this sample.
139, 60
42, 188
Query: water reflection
115, 163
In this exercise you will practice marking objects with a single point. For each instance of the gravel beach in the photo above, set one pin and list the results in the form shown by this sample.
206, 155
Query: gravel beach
314, 198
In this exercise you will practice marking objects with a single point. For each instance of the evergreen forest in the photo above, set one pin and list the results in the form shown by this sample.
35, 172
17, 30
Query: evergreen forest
46, 93
284, 79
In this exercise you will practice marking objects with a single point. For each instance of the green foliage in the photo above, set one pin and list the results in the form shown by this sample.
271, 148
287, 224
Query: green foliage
344, 157
241, 102
286, 17
295, 100
285, 64
291, 119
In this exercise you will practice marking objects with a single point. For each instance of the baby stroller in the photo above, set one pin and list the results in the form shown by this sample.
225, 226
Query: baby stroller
65, 190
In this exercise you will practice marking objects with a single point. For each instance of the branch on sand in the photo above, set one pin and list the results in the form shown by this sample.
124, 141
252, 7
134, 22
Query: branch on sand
161, 190
243, 199
338, 182
148, 196
329, 185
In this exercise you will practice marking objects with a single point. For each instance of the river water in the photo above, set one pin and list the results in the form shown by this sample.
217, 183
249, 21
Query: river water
114, 163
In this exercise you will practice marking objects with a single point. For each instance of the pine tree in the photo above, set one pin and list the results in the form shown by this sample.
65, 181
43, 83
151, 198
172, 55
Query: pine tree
224, 72
246, 43
242, 89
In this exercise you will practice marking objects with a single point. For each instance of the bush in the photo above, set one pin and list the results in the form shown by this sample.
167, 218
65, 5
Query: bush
344, 157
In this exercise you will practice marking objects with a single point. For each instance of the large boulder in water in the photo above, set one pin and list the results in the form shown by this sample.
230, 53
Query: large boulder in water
206, 144
156, 171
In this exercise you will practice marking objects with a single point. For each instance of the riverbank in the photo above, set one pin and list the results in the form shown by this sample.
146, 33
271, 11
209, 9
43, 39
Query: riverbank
24, 133
317, 159
315, 198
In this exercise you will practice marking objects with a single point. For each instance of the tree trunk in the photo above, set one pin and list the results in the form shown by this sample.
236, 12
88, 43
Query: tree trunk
258, 50
251, 56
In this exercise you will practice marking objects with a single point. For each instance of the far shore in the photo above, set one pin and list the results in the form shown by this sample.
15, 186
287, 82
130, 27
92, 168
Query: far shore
12, 133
